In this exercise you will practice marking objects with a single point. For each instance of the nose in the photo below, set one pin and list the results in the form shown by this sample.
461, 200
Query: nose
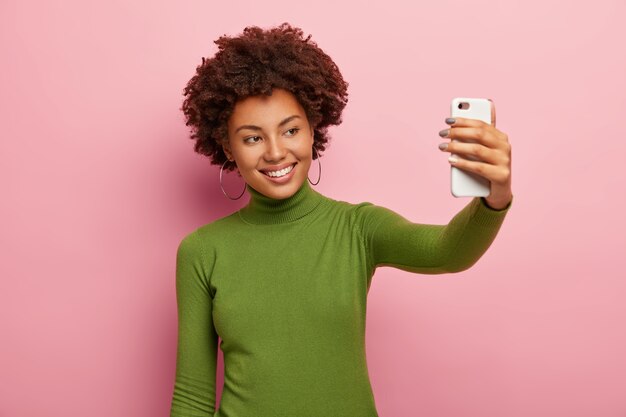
274, 149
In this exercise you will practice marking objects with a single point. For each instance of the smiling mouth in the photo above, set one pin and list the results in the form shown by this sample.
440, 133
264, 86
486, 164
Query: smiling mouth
280, 173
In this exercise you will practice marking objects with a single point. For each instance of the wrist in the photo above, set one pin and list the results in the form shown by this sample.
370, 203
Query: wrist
499, 203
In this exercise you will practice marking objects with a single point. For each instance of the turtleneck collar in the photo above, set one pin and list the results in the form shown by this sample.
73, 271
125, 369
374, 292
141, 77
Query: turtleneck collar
262, 209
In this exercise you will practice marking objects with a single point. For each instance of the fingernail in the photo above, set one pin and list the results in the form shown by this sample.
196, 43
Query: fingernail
444, 133
453, 159
443, 146
450, 120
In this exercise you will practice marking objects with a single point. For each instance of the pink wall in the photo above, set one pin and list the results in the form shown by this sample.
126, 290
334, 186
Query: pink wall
99, 183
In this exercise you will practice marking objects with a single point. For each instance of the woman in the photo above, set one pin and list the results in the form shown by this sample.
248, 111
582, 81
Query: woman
284, 280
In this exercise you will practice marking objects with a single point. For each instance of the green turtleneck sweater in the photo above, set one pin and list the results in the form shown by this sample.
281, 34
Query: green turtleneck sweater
284, 285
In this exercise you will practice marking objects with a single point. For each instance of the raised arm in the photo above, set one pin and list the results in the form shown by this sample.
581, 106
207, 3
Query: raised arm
392, 240
196, 358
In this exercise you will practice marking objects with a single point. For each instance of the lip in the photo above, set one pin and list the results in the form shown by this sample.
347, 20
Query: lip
276, 167
284, 178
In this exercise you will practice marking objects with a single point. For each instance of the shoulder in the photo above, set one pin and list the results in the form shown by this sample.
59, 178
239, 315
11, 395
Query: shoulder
218, 226
205, 237
366, 215
352, 210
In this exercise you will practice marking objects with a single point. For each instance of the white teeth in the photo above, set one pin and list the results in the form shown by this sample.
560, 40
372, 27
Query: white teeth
280, 173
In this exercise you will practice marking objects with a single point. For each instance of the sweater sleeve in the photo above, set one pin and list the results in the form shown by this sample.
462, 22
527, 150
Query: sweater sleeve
196, 358
392, 240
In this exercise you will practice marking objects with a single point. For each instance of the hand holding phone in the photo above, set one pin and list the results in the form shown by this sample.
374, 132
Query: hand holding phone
465, 183
480, 153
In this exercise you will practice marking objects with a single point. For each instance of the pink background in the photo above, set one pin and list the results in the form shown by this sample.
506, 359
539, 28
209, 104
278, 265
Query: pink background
99, 184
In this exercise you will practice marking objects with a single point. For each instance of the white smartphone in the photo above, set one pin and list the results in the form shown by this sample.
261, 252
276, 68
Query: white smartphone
464, 183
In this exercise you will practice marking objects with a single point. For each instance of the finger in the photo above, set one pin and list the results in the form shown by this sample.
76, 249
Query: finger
483, 135
475, 150
493, 112
464, 122
495, 174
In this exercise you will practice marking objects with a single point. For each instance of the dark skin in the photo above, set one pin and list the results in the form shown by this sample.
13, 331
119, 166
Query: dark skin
492, 148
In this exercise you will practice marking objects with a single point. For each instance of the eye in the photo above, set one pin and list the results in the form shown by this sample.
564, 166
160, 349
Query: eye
247, 140
294, 130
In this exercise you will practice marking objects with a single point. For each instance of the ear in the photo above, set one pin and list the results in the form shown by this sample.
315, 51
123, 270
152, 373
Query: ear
226, 149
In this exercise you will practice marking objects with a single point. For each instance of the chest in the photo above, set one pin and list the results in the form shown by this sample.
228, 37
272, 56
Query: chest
285, 282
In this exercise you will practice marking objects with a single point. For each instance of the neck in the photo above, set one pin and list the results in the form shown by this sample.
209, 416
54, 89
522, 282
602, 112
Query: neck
262, 209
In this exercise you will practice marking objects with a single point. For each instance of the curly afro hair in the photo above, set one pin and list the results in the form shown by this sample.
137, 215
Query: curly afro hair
254, 63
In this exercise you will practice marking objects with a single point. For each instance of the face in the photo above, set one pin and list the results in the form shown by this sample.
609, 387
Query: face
271, 141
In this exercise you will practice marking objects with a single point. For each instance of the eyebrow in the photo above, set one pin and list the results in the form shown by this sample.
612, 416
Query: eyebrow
253, 127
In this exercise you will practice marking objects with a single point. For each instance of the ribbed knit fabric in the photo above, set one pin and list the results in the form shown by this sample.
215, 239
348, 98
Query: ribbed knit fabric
284, 284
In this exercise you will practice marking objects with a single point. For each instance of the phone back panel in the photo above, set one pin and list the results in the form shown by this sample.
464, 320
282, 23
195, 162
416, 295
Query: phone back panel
464, 183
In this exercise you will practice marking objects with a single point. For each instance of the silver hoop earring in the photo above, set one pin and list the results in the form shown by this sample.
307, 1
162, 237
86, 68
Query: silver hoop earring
320, 170
222, 186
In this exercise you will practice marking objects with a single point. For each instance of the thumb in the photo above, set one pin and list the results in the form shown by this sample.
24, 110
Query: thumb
493, 112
